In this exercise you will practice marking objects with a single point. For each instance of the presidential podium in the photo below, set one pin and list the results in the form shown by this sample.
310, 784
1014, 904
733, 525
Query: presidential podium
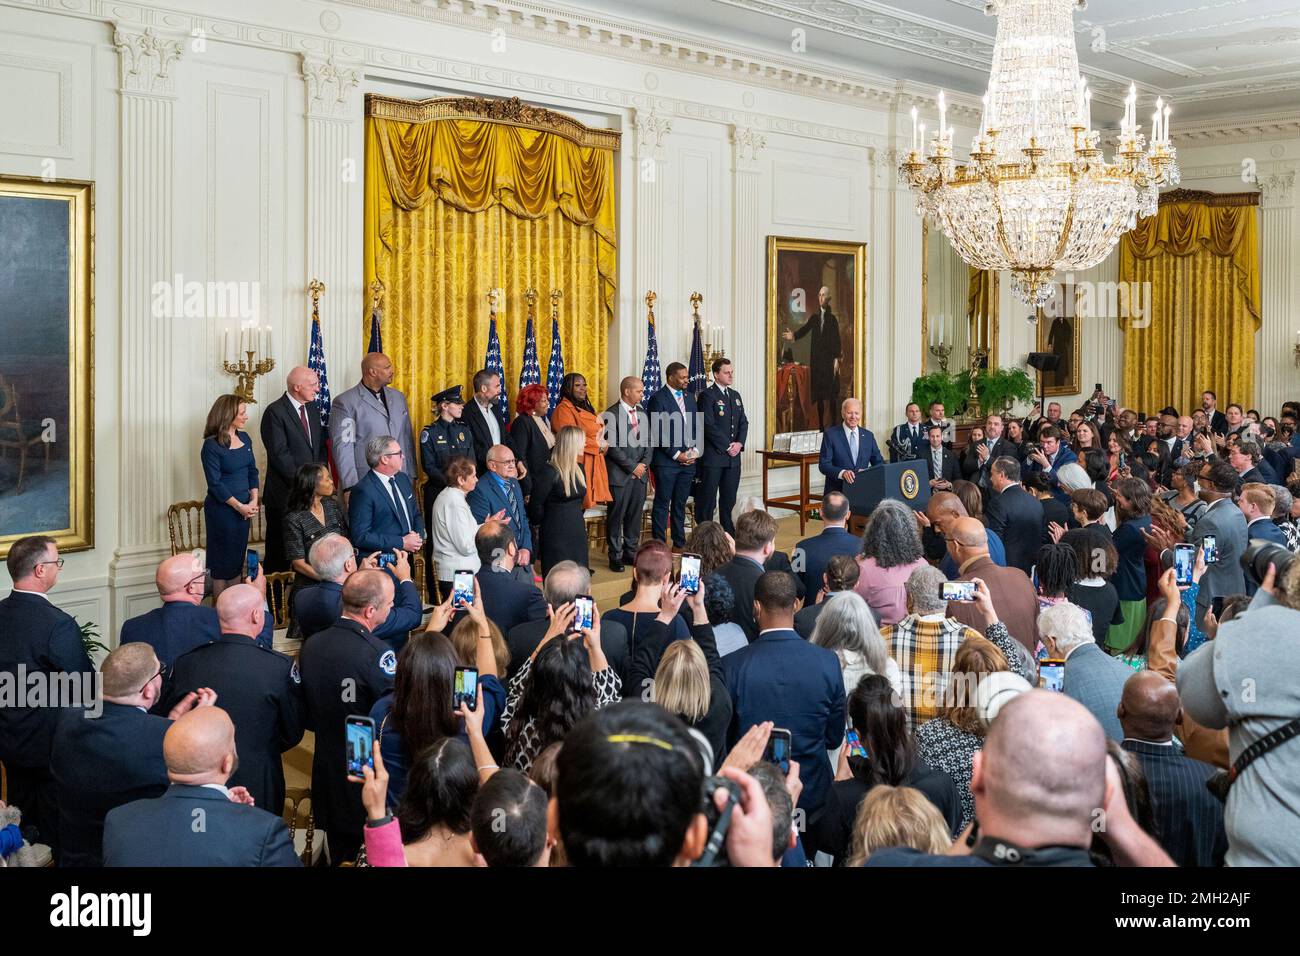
905, 481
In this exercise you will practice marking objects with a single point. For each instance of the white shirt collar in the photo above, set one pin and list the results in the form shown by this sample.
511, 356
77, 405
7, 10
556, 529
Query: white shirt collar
938, 616
849, 430
627, 409
217, 786
18, 590
1153, 743
297, 405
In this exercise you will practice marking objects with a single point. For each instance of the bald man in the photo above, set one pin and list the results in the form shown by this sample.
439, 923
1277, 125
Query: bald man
183, 622
942, 511
1041, 783
1188, 817
259, 688
198, 821
824, 352
368, 409
1013, 594
293, 437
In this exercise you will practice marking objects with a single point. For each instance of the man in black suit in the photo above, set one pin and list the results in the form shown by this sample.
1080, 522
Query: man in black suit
1217, 421
823, 357
37, 639
755, 542
1014, 515
104, 761
1244, 457
811, 554
319, 605
565, 582
627, 460
481, 418
725, 429
260, 689
293, 437
676, 450
941, 462
994, 446
383, 514
907, 439
509, 596
345, 669
198, 821
1189, 819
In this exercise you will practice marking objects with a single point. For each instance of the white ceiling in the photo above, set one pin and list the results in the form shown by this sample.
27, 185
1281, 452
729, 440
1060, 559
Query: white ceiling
1209, 57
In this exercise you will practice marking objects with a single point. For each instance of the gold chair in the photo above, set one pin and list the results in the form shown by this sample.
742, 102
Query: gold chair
257, 527
185, 526
294, 798
17, 434
418, 577
279, 589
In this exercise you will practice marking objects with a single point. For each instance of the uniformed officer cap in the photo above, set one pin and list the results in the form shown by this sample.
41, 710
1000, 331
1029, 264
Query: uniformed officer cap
449, 395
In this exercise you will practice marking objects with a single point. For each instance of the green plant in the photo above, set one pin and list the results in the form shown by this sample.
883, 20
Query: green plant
999, 388
944, 387
90, 639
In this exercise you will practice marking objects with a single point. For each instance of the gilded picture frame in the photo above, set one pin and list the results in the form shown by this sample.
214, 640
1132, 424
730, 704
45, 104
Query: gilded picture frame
47, 301
1057, 331
990, 296
808, 388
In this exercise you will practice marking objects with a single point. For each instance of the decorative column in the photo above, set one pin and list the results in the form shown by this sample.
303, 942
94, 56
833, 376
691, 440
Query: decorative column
747, 338
895, 348
1275, 345
148, 159
648, 267
335, 152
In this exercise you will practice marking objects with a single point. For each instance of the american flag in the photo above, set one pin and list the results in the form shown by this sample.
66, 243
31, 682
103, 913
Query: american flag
376, 340
651, 375
316, 362
697, 382
493, 364
531, 373
554, 368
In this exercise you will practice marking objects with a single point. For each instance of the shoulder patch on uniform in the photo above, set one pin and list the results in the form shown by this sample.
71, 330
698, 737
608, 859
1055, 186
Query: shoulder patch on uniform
388, 663
294, 674
424, 436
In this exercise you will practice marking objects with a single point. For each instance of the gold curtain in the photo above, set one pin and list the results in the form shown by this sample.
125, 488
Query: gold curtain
454, 207
1202, 261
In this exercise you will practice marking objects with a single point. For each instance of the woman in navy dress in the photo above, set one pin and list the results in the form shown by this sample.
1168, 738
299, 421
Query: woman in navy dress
231, 473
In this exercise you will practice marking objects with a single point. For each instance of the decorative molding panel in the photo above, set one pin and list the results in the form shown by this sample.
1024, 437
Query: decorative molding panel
748, 144
1277, 191
330, 87
651, 131
21, 72
794, 187
146, 61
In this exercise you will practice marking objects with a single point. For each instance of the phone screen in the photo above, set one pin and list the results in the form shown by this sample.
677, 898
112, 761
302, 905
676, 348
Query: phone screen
583, 616
1211, 547
250, 557
1184, 559
854, 743
1051, 675
360, 733
690, 578
465, 688
462, 591
386, 559
957, 591
778, 749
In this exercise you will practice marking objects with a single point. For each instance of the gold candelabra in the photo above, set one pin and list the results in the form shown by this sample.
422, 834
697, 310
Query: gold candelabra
248, 368
978, 356
941, 352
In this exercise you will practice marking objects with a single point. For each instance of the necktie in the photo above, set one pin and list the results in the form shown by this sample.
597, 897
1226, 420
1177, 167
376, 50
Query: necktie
680, 403
302, 417
853, 446
632, 418
401, 508
514, 507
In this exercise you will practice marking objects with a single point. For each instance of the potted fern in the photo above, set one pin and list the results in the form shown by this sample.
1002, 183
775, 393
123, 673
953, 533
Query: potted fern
947, 387
1000, 388
90, 639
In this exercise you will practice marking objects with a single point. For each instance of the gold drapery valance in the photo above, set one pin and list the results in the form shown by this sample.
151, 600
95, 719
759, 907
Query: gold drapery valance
1200, 254
465, 194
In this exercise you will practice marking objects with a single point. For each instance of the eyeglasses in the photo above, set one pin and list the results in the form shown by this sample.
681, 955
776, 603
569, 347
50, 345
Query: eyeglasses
390, 454
504, 461
56, 561
201, 576
162, 670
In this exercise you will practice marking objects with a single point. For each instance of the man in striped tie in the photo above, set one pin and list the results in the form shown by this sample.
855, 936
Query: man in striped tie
628, 462
499, 492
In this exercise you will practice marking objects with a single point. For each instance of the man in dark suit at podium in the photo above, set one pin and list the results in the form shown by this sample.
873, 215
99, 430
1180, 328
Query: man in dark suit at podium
293, 437
847, 449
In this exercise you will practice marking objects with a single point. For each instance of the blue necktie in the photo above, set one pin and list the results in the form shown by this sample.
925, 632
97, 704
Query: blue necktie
514, 510
401, 508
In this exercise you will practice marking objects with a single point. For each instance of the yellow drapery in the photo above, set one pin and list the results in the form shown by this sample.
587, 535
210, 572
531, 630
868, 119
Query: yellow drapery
454, 207
1202, 261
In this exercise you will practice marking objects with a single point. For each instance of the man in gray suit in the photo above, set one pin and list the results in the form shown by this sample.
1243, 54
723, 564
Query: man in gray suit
1224, 520
1092, 677
627, 460
369, 409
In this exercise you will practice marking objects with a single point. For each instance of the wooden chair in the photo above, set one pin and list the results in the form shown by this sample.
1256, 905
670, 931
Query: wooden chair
418, 577
279, 589
294, 798
257, 527
185, 526
19, 435
595, 520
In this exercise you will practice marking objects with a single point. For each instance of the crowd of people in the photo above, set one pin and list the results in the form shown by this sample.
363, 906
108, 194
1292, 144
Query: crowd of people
969, 684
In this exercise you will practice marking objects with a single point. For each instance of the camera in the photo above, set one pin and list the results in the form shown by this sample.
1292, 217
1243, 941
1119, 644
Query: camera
1260, 554
719, 821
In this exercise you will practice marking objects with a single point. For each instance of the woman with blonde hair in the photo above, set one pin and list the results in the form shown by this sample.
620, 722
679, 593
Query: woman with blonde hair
465, 636
685, 685
897, 816
555, 505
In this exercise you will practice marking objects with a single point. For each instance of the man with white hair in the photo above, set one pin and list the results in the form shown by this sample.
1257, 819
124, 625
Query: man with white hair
319, 605
1092, 677
824, 354
293, 437
1038, 783
847, 449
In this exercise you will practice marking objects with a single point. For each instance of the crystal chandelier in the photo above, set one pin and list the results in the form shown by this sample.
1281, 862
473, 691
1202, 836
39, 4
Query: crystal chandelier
1036, 195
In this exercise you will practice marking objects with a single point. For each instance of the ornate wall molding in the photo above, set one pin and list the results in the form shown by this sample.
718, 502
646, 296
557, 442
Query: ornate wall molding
748, 144
145, 60
330, 87
651, 132
510, 112
1277, 190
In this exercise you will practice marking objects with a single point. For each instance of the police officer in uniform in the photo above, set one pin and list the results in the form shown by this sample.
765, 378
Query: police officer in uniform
447, 436
259, 688
345, 669
725, 430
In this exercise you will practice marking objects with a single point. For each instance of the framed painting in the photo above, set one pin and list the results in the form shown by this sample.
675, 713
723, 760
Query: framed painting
816, 331
1058, 333
47, 269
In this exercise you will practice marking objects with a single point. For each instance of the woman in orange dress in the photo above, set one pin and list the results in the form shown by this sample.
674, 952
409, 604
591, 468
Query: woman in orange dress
574, 410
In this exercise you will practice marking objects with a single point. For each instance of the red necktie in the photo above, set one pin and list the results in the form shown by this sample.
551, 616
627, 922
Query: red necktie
633, 418
302, 417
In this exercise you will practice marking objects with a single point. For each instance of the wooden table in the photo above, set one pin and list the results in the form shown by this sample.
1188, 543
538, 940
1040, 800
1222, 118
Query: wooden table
803, 501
